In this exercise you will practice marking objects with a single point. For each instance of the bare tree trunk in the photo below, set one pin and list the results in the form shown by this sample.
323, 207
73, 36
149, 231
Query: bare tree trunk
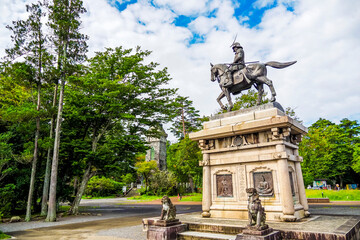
51, 216
86, 177
48, 162
341, 181
183, 121
34, 163
191, 181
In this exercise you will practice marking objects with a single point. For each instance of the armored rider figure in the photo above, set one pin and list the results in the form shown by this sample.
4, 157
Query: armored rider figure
237, 65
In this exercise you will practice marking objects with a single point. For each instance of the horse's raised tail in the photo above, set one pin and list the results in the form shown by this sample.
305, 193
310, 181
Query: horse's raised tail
279, 64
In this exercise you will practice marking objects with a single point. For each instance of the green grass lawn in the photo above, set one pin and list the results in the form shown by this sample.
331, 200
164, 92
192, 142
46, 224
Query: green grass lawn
145, 198
192, 197
333, 195
91, 197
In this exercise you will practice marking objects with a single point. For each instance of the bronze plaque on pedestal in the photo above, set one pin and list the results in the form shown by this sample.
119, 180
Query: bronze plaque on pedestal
224, 185
263, 182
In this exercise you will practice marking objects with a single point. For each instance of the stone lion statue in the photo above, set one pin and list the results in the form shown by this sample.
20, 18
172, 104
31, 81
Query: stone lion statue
257, 215
168, 211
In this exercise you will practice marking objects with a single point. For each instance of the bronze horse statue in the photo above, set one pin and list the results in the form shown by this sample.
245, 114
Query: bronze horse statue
255, 74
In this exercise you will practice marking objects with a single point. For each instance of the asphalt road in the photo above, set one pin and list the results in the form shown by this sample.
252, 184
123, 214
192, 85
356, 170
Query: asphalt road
335, 210
114, 219
105, 221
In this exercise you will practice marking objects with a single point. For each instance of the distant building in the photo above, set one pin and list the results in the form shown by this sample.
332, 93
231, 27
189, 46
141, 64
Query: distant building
157, 150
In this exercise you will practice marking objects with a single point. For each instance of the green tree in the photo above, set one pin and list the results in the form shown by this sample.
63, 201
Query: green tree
70, 46
116, 95
5, 155
183, 160
328, 151
356, 158
145, 170
186, 118
128, 178
29, 42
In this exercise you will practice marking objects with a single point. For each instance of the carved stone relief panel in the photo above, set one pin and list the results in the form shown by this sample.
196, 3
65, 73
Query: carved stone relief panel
263, 182
295, 138
224, 185
206, 144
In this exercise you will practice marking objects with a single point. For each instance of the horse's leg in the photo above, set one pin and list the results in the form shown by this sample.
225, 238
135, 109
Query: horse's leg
222, 94
260, 89
268, 82
228, 96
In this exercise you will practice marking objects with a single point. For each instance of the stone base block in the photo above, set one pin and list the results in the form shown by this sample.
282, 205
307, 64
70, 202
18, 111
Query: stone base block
288, 218
163, 230
267, 234
254, 231
167, 223
165, 233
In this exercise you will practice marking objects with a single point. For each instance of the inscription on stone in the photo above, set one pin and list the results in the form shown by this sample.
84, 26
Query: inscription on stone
292, 183
263, 182
242, 182
224, 185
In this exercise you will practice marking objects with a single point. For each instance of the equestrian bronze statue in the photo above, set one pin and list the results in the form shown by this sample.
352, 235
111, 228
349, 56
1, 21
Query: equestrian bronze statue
237, 76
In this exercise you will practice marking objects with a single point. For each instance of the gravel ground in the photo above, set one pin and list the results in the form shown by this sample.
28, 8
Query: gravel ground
133, 232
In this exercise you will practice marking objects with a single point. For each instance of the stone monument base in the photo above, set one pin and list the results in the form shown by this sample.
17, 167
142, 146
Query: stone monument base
162, 230
266, 234
252, 148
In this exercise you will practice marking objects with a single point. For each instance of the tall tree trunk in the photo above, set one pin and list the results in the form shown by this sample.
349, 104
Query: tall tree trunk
51, 216
34, 163
48, 162
183, 122
86, 177
191, 181
341, 181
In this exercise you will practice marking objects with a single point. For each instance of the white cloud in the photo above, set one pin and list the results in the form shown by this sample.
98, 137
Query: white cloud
323, 36
181, 7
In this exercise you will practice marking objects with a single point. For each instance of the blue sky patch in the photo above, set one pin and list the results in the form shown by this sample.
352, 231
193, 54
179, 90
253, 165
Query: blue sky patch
196, 38
123, 5
246, 9
182, 21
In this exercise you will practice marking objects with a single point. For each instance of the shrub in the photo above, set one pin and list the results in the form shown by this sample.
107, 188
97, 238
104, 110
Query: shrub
102, 187
4, 236
162, 183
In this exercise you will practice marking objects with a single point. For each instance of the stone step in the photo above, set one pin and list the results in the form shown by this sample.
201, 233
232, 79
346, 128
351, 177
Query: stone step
192, 235
215, 228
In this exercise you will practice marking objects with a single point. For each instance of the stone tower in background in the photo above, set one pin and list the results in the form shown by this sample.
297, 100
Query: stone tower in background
157, 150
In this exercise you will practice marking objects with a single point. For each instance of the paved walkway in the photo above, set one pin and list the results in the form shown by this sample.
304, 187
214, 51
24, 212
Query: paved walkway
111, 226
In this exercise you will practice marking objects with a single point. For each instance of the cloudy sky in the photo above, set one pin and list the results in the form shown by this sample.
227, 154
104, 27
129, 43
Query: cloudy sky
186, 35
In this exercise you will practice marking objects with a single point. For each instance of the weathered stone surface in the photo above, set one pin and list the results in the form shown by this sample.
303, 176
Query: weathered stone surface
166, 223
249, 110
273, 235
313, 228
162, 230
165, 233
249, 231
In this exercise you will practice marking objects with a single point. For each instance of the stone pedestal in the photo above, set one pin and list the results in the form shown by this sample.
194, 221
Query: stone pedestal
162, 230
267, 234
252, 148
